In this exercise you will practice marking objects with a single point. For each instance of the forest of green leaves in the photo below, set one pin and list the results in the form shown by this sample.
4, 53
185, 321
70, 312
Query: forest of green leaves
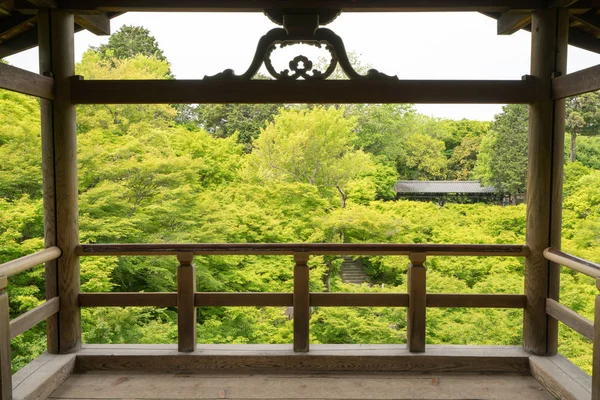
287, 173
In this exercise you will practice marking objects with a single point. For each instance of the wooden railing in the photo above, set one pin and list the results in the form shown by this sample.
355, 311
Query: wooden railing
186, 299
577, 322
11, 329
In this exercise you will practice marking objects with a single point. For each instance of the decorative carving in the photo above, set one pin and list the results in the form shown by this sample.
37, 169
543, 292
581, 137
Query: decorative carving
300, 29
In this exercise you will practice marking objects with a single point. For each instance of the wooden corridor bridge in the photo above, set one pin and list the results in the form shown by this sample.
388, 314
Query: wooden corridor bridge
299, 370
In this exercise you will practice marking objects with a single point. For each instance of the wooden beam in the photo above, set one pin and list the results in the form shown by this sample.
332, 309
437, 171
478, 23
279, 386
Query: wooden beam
27, 262
322, 357
42, 376
301, 303
477, 300
488, 250
128, 299
48, 177
22, 81
33, 317
596, 353
561, 3
343, 91
359, 299
560, 377
227, 299
548, 59
186, 307
67, 213
584, 81
98, 24
5, 366
16, 24
513, 21
570, 318
259, 5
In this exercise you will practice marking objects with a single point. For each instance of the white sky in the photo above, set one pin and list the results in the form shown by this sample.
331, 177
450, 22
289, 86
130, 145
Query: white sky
410, 45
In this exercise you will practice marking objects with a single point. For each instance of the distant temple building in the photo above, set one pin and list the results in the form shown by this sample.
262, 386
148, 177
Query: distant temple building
448, 191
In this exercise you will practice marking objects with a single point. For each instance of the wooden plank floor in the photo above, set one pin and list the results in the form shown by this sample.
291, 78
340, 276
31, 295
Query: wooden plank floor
148, 385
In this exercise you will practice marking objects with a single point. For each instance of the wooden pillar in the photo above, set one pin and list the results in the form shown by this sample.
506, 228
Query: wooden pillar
65, 170
544, 180
301, 303
596, 357
186, 308
47, 130
417, 305
5, 368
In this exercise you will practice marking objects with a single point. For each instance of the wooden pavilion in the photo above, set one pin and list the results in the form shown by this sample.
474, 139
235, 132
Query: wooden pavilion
534, 370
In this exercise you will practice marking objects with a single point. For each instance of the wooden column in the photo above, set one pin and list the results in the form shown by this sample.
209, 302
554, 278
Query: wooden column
417, 304
5, 368
544, 180
301, 303
47, 130
65, 170
186, 309
596, 357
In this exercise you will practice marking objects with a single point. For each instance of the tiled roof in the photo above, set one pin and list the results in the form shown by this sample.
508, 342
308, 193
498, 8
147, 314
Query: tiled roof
442, 187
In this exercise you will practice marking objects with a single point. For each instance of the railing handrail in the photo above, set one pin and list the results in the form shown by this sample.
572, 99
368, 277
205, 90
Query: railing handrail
509, 250
24, 263
568, 260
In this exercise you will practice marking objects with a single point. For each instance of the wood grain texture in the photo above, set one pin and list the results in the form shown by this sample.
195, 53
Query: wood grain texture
304, 91
186, 309
301, 303
575, 263
3, 282
586, 80
557, 176
27, 262
22, 81
477, 300
303, 386
596, 356
48, 177
417, 304
33, 317
282, 358
226, 299
98, 24
259, 6
489, 250
560, 377
5, 371
359, 299
43, 377
570, 318
539, 181
67, 213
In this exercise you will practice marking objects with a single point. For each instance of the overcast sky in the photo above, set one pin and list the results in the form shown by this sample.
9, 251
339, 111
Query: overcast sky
410, 45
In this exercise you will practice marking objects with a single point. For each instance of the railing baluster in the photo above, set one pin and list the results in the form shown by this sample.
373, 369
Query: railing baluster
417, 292
301, 303
596, 359
5, 371
186, 310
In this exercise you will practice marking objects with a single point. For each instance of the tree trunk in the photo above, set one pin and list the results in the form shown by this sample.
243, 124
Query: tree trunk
573, 140
513, 199
327, 279
343, 196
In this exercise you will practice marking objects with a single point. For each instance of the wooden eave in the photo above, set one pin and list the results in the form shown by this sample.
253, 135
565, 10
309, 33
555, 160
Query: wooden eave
18, 19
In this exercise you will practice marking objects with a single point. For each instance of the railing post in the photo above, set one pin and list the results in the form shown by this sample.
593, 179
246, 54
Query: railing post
417, 306
596, 357
301, 303
5, 369
186, 309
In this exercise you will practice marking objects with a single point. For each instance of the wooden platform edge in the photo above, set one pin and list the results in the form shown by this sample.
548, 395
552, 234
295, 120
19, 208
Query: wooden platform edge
561, 378
321, 358
42, 376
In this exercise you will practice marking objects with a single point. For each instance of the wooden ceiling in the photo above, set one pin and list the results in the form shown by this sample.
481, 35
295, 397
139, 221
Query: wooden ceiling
18, 20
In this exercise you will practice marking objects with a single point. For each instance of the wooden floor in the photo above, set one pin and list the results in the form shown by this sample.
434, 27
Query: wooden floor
148, 385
